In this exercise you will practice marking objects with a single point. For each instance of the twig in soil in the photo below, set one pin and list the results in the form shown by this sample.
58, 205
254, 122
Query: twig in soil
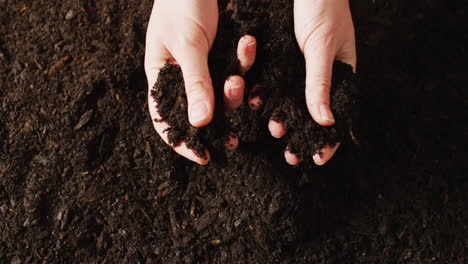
175, 225
146, 216
38, 64
86, 63
59, 64
24, 8
215, 242
192, 209
353, 138
168, 191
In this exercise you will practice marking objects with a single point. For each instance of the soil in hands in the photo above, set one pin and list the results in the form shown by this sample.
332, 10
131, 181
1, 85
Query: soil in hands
85, 178
278, 78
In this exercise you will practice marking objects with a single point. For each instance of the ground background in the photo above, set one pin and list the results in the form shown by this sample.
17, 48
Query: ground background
85, 179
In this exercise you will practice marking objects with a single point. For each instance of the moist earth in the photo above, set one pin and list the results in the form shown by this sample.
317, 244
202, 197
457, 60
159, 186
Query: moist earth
85, 178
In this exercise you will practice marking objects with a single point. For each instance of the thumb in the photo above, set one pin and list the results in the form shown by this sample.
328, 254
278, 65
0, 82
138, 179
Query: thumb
198, 85
319, 57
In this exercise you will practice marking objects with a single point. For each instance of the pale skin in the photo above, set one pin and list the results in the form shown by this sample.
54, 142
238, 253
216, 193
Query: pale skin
183, 31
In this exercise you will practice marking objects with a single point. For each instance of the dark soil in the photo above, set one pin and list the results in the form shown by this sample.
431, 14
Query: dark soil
84, 177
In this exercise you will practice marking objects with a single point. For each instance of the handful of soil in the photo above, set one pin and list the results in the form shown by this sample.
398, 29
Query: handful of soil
169, 94
305, 137
279, 77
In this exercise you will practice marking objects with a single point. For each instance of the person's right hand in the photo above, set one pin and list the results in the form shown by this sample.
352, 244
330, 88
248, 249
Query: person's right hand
182, 32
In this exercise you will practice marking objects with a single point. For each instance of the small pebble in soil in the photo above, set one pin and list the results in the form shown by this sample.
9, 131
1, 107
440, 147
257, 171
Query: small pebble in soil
71, 14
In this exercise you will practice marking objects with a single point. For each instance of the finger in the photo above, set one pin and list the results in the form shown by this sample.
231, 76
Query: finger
291, 158
198, 87
246, 52
233, 92
277, 129
233, 142
319, 55
255, 102
161, 128
327, 154
184, 151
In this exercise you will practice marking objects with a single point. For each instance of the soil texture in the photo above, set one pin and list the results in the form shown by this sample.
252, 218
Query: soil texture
84, 178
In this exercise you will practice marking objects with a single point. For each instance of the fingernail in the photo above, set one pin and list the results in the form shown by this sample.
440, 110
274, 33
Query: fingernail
198, 112
235, 90
326, 114
252, 43
318, 160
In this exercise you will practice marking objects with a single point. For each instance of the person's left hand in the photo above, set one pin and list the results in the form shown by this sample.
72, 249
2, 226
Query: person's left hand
325, 32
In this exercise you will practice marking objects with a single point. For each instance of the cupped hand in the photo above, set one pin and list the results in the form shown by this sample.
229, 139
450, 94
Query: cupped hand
183, 32
325, 32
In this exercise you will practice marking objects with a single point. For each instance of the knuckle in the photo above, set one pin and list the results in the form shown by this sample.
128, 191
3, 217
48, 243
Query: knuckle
319, 39
191, 39
193, 35
319, 82
312, 30
195, 87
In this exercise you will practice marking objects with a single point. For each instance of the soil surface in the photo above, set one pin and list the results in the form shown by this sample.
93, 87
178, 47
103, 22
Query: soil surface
84, 178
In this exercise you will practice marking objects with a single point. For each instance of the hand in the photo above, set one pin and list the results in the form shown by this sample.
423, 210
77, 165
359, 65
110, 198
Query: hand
183, 32
325, 32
